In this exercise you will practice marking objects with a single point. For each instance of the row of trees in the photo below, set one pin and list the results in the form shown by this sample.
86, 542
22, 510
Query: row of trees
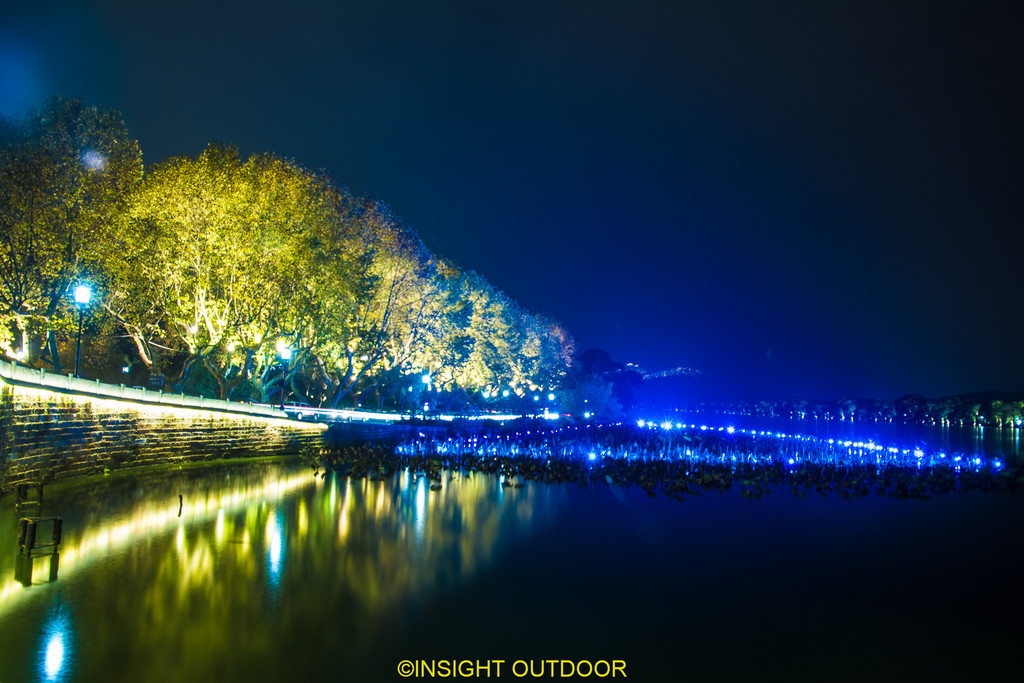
245, 277
968, 410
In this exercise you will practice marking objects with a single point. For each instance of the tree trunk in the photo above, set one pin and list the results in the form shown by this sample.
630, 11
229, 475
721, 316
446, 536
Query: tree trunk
53, 351
222, 391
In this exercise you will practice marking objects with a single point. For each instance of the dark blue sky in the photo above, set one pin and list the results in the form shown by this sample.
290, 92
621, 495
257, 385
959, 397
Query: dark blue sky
799, 199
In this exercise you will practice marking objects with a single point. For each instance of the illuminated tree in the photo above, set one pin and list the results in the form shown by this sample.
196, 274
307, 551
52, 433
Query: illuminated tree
214, 265
219, 241
547, 350
493, 325
283, 286
384, 270
65, 171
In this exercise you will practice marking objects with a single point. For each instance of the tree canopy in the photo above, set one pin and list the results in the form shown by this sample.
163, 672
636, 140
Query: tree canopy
66, 171
244, 278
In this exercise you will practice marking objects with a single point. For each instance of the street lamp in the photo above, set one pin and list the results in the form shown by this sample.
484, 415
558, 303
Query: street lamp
285, 352
82, 296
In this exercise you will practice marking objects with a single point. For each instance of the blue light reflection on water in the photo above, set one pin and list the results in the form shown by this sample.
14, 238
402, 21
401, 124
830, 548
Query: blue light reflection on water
56, 649
420, 511
275, 547
715, 445
853, 449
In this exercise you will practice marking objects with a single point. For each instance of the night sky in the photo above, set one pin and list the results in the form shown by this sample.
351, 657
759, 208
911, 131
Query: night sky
813, 199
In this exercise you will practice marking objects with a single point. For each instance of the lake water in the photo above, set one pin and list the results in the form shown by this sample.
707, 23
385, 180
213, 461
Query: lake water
269, 573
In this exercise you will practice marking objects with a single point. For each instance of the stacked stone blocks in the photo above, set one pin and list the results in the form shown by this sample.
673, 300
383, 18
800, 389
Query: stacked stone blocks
46, 437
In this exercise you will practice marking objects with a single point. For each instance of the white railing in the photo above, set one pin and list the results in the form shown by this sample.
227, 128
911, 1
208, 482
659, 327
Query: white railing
304, 412
15, 374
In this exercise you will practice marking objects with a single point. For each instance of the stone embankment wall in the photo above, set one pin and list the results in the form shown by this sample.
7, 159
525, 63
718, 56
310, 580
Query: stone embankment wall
47, 435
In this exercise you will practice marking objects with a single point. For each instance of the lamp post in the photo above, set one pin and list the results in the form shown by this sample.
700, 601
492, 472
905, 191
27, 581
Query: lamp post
286, 355
82, 296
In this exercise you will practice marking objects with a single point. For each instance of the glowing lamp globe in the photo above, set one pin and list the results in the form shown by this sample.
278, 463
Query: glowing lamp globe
82, 294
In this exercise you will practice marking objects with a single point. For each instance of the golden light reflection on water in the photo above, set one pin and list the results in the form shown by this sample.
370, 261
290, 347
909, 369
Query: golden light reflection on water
141, 522
255, 564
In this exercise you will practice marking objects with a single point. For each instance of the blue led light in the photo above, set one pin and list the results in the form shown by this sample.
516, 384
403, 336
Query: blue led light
710, 447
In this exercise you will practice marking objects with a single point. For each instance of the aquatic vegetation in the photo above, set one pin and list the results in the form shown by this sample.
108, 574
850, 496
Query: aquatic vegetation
685, 461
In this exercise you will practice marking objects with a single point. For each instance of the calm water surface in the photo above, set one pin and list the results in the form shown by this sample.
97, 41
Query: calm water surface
269, 574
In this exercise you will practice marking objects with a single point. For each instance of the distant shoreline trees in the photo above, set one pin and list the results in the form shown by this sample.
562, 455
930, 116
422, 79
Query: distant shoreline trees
968, 410
243, 278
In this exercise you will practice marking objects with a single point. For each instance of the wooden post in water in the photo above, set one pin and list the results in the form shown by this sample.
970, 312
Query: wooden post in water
23, 570
28, 528
28, 532
54, 564
30, 537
